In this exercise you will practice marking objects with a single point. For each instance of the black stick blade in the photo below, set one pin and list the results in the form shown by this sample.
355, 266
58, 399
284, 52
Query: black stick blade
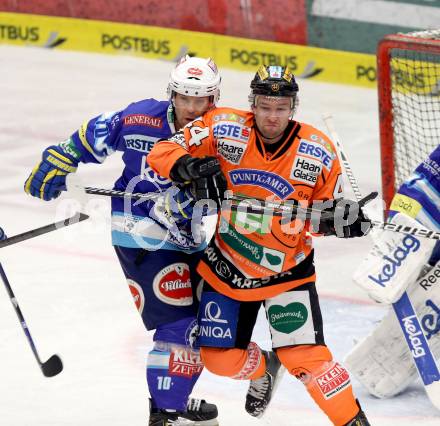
52, 366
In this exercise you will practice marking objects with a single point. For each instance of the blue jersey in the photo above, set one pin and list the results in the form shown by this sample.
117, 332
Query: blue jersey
134, 131
419, 195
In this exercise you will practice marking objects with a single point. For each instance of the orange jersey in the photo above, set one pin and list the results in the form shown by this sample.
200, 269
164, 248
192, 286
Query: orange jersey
304, 168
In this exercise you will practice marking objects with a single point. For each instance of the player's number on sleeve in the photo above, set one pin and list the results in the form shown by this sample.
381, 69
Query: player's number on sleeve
197, 135
164, 383
339, 187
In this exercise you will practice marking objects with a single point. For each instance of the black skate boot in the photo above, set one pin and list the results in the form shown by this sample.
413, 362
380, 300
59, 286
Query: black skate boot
360, 419
198, 413
261, 390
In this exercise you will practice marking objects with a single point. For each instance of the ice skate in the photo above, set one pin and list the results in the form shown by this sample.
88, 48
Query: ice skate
261, 390
198, 413
360, 419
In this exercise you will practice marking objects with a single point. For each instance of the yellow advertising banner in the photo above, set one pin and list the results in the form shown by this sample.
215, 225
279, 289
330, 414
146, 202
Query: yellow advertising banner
170, 44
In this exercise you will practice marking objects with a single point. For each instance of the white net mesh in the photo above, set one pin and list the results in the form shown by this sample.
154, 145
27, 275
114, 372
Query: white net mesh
415, 94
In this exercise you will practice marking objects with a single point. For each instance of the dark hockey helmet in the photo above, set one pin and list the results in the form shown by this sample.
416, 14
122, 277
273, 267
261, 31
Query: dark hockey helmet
273, 80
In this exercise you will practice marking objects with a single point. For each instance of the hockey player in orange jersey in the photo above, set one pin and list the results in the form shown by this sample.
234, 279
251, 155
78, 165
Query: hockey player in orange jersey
256, 260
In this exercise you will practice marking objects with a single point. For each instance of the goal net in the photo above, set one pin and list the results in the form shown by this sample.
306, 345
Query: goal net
408, 68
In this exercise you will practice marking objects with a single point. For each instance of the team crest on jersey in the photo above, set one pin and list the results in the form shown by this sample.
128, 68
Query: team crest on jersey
231, 151
267, 180
288, 234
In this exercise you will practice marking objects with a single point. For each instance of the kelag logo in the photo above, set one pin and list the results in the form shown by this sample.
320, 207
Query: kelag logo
413, 334
409, 244
431, 321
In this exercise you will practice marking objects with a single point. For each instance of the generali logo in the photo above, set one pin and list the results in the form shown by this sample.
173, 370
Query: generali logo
142, 120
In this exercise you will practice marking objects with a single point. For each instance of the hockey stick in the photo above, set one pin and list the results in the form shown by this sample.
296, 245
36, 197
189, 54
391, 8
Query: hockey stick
328, 120
405, 313
277, 208
252, 205
53, 365
77, 217
239, 202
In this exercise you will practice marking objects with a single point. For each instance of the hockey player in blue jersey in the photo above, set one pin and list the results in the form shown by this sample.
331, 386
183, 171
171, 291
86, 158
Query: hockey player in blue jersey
157, 255
382, 362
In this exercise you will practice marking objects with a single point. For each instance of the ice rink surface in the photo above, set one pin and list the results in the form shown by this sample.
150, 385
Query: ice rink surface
69, 283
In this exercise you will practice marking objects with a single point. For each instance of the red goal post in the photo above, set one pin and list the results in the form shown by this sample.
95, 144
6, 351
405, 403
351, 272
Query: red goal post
408, 72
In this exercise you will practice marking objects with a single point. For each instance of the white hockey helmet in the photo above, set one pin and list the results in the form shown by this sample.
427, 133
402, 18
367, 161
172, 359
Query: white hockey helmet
194, 76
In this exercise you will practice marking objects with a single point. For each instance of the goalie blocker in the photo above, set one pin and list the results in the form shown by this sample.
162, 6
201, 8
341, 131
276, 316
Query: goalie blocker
394, 262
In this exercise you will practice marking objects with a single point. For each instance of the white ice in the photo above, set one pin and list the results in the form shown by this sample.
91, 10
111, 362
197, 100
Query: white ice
69, 283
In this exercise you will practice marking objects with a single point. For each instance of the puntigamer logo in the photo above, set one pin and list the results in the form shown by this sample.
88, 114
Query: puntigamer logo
270, 181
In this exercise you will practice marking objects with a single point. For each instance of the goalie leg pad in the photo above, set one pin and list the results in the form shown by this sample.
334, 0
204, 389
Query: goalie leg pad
327, 382
382, 361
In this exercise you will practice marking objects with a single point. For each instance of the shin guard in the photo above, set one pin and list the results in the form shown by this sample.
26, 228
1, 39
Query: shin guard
172, 371
327, 382
173, 366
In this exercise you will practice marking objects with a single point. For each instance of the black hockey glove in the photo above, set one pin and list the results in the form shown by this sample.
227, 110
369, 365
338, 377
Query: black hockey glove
205, 175
345, 218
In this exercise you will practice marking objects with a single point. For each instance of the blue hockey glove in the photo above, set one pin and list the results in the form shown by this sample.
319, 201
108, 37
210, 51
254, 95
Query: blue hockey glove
175, 206
2, 235
179, 203
48, 178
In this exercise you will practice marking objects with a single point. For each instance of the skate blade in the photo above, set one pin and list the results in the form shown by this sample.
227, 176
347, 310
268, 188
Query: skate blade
278, 378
